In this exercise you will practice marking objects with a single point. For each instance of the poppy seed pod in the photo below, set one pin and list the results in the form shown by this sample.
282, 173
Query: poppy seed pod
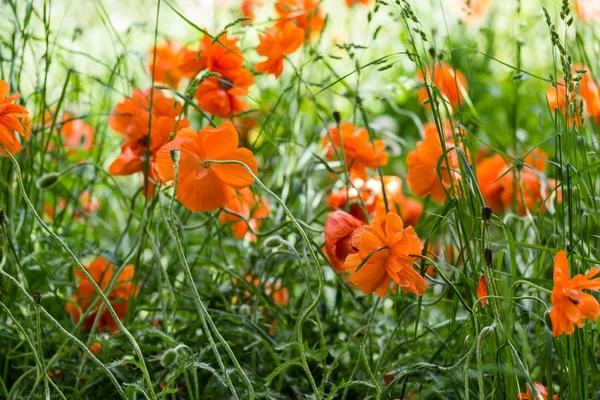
2, 217
38, 297
46, 181
175, 155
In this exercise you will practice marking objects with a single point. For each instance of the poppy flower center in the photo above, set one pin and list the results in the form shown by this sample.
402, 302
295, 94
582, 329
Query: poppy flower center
225, 83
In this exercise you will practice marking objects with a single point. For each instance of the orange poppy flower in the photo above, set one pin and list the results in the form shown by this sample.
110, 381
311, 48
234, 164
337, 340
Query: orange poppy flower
353, 196
339, 228
275, 44
470, 11
570, 305
245, 203
96, 348
410, 209
101, 271
10, 115
201, 186
221, 95
385, 253
482, 290
499, 188
588, 92
76, 134
131, 119
451, 83
423, 178
307, 14
541, 389
88, 204
279, 294
245, 125
360, 154
352, 3
588, 10
168, 59
248, 9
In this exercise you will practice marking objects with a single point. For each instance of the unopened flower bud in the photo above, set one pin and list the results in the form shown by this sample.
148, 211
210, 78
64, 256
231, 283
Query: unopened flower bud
337, 117
486, 212
38, 297
46, 181
169, 358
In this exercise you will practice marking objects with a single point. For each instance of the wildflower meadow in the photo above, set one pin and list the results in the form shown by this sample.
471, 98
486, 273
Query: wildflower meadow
299, 199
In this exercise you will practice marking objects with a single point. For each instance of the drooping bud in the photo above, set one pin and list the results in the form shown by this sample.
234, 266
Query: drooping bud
46, 181
169, 358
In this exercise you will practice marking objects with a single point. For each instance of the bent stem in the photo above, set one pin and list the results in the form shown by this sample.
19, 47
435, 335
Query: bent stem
314, 257
87, 275
205, 317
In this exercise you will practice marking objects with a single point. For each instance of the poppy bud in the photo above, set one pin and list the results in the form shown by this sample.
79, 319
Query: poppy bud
272, 241
175, 155
488, 257
337, 117
486, 212
169, 358
46, 181
486, 332
38, 297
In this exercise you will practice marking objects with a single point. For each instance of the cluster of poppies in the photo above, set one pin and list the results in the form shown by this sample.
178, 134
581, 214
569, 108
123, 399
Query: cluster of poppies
579, 98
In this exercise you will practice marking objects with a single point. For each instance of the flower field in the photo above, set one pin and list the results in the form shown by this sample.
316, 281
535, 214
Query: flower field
299, 199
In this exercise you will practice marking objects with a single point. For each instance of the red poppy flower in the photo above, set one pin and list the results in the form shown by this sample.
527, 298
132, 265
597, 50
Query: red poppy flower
10, 115
202, 186
570, 305
385, 254
449, 81
275, 44
251, 207
101, 271
359, 153
339, 228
